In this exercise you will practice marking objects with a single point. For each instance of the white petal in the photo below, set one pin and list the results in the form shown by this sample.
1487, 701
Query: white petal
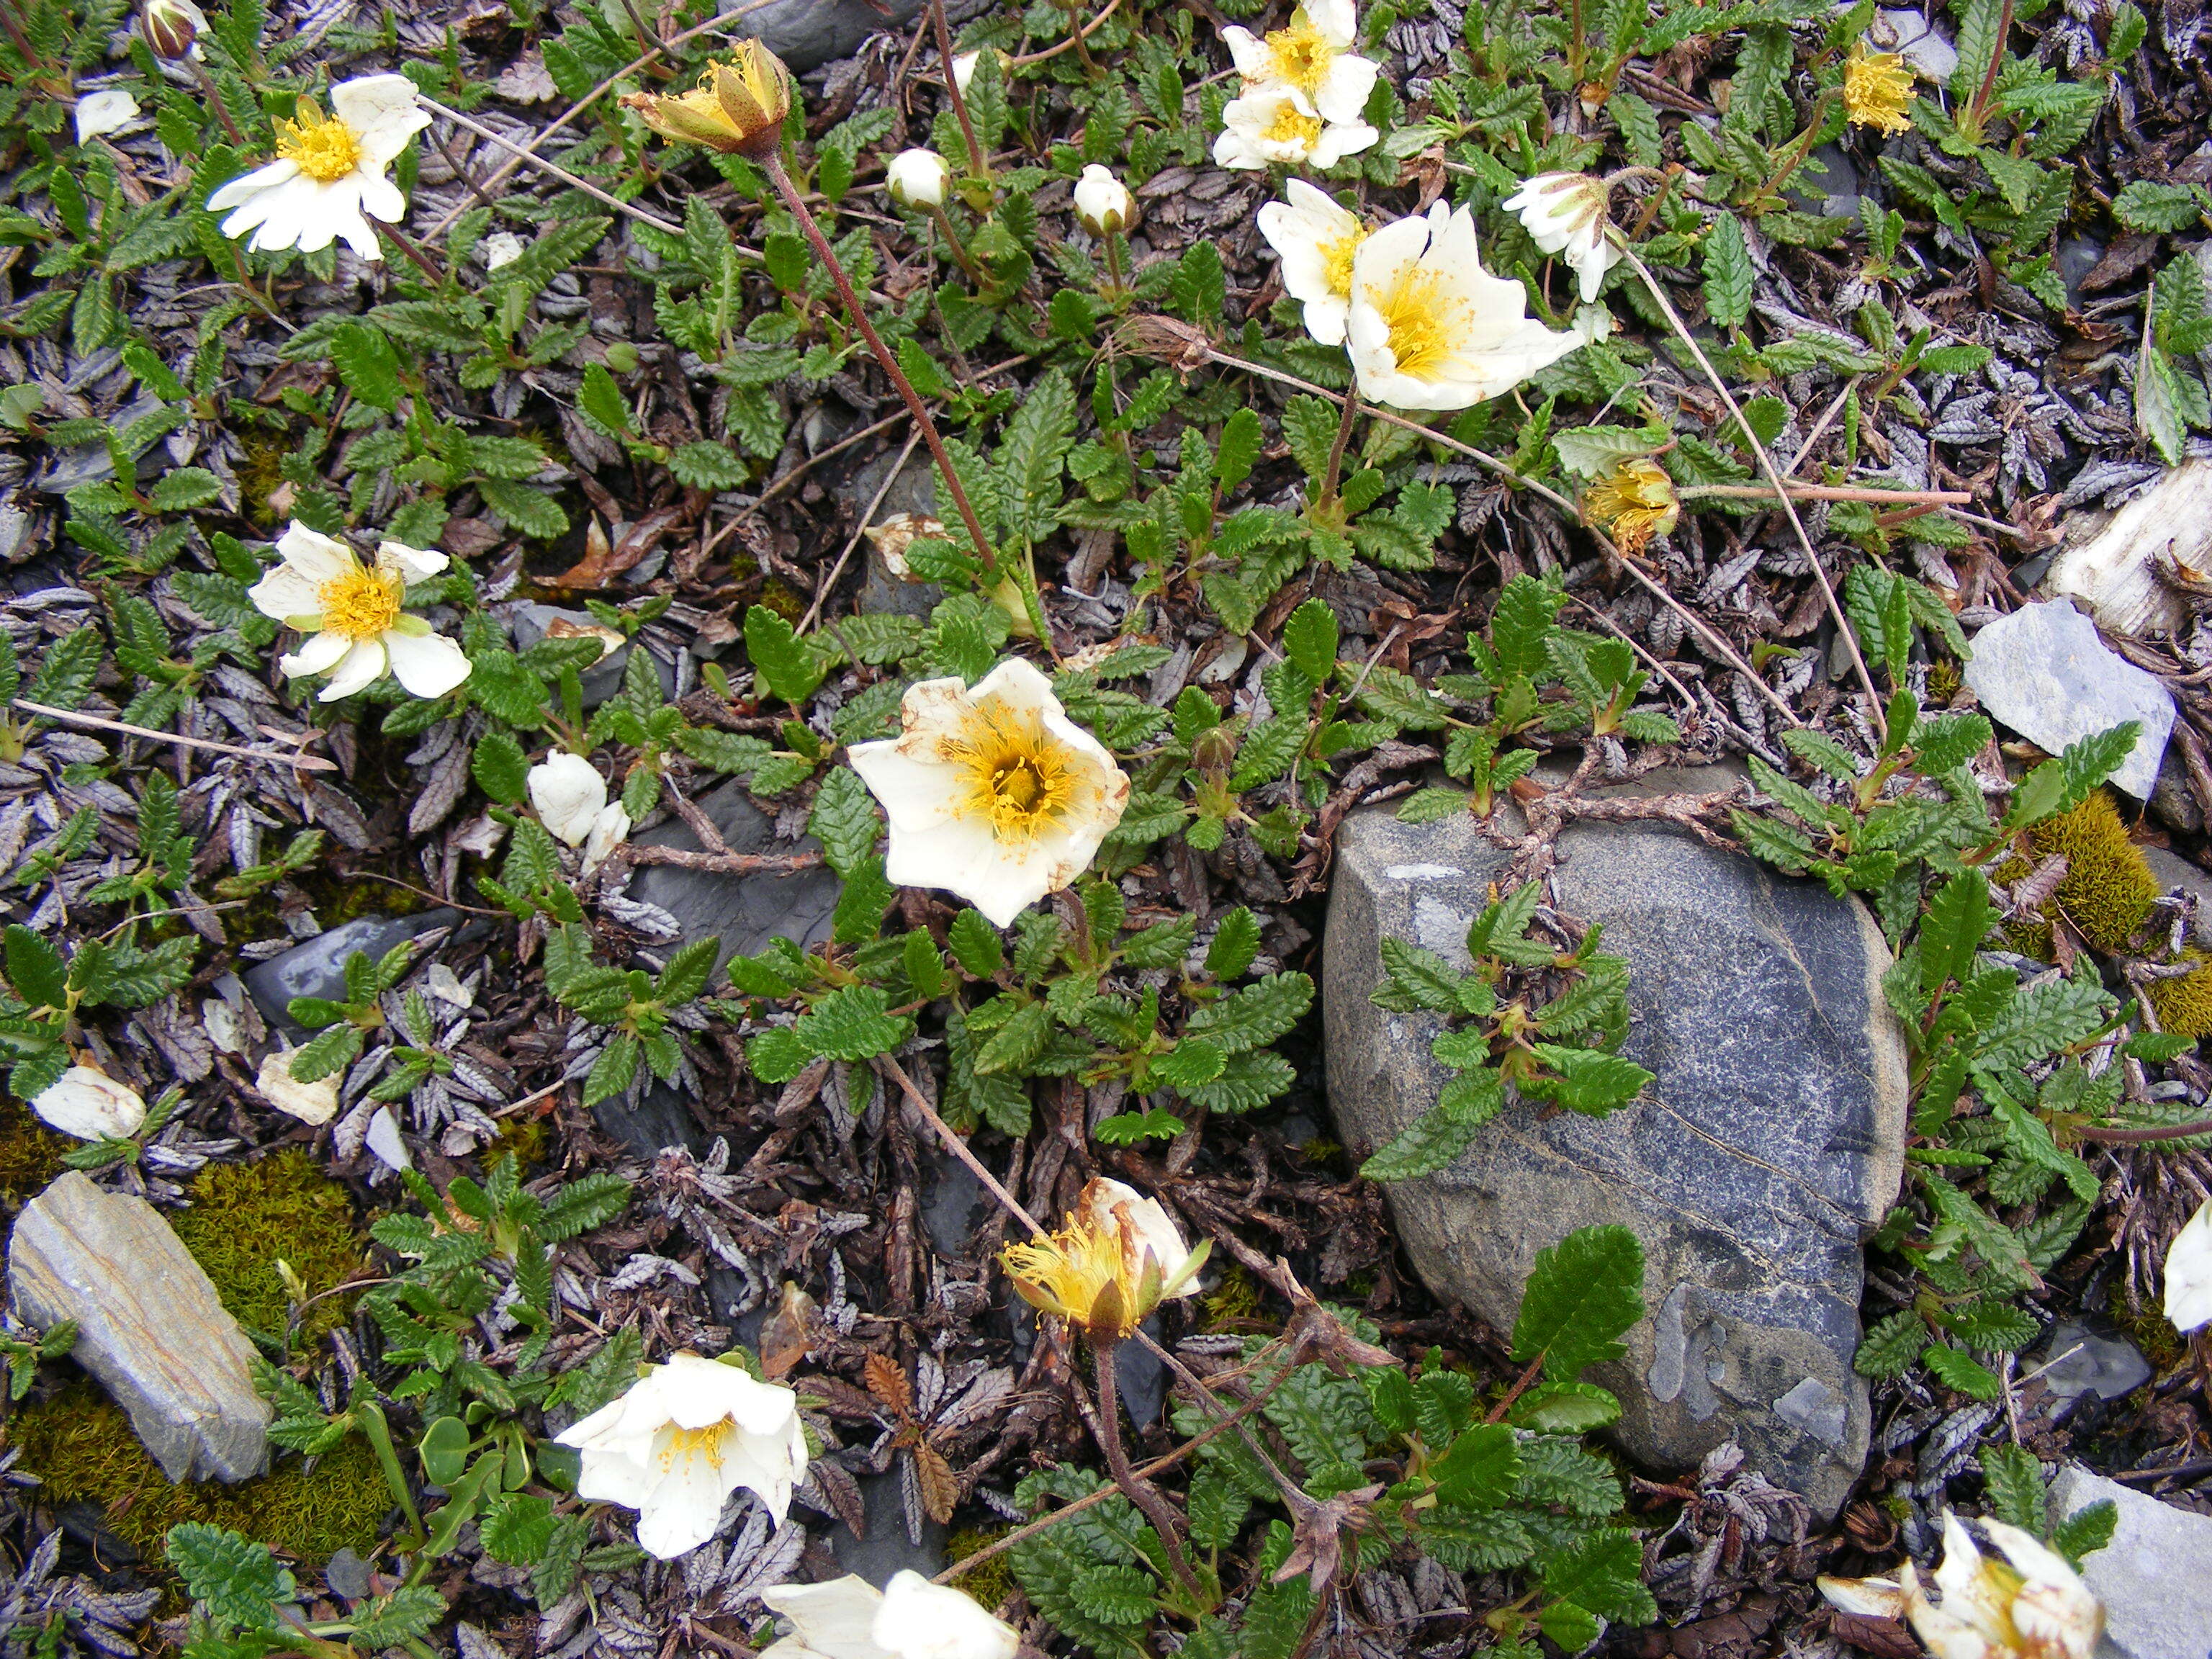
918, 1620
1339, 139
104, 112
317, 557
1873, 1598
360, 668
1336, 20
383, 110
311, 1102
427, 664
281, 217
607, 1477
1248, 52
247, 186
317, 655
1344, 91
90, 1105
836, 1619
684, 1504
380, 198
414, 564
916, 793
285, 593
2188, 1273
609, 829
569, 793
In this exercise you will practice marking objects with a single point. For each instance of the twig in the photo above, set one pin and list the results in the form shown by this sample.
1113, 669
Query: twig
1068, 44
979, 164
70, 717
2144, 1137
668, 226
1813, 492
720, 864
1138, 1490
955, 1144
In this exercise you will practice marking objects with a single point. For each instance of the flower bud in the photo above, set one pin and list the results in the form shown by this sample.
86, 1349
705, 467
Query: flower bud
964, 70
916, 179
172, 27
1102, 202
737, 109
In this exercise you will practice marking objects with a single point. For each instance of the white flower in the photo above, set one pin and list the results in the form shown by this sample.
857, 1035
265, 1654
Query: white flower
569, 794
1270, 125
328, 173
964, 70
1431, 328
90, 1105
992, 793
609, 829
354, 612
1102, 202
916, 178
910, 1618
1144, 1228
1311, 58
1565, 213
311, 1102
687, 1435
1316, 239
500, 248
2035, 1607
2189, 1272
104, 112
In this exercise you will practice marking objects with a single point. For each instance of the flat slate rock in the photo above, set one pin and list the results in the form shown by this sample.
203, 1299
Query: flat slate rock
2044, 672
2154, 1578
806, 34
744, 912
1769, 1144
150, 1326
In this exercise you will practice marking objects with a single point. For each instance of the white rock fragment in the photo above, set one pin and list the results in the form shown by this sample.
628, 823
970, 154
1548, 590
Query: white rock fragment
90, 1105
2151, 1578
2116, 570
98, 114
2188, 1273
315, 1103
1916, 39
384, 1140
2043, 671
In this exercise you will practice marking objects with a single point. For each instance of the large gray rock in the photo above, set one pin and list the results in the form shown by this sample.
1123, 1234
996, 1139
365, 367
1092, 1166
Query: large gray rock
806, 34
1770, 1144
2043, 671
2154, 1578
316, 967
150, 1326
744, 912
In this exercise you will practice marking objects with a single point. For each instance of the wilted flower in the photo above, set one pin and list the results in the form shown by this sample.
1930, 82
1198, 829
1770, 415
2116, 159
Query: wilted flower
1270, 124
687, 1435
311, 1102
104, 112
1878, 90
172, 27
993, 793
2030, 1605
1311, 58
1431, 328
1118, 1258
738, 107
569, 794
502, 248
916, 179
910, 1618
329, 173
354, 612
2188, 1273
1102, 202
609, 829
90, 1105
1316, 239
1634, 502
1565, 213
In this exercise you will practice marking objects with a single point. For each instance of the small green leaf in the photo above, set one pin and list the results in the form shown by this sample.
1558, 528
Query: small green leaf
1583, 1294
1728, 273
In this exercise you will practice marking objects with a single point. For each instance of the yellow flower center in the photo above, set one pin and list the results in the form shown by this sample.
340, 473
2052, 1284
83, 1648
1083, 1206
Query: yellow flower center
1420, 323
688, 1444
1635, 501
1299, 55
361, 604
1081, 1273
1878, 90
324, 150
1291, 127
1014, 775
1337, 257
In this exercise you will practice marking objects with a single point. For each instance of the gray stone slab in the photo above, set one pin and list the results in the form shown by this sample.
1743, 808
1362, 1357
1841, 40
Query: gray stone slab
2043, 671
807, 33
1769, 1144
2155, 1578
316, 967
150, 1326
2075, 1360
744, 912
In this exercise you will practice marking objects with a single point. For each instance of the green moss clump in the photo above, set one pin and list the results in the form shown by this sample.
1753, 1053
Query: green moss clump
992, 1582
2184, 1005
80, 1444
1233, 1304
2109, 890
2149, 1329
246, 1217
30, 1154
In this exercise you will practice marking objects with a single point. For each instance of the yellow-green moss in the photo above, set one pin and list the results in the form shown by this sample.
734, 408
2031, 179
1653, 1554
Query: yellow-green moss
992, 1582
2109, 890
1944, 679
245, 1216
526, 1138
2148, 1329
80, 1444
1234, 1303
30, 1154
2184, 1005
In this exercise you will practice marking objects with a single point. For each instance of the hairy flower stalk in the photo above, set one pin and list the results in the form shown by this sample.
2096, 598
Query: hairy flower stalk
956, 88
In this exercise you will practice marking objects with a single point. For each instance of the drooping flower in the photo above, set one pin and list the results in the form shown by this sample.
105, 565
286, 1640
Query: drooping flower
311, 1102
2032, 1605
569, 794
104, 112
1634, 502
1117, 1258
1878, 90
1565, 213
993, 793
329, 173
687, 1435
90, 1105
172, 28
2189, 1272
737, 108
1102, 202
1430, 329
355, 612
1311, 57
916, 179
1269, 124
909, 1618
1316, 239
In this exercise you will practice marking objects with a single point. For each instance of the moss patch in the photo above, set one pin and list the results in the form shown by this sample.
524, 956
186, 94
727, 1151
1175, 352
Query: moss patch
2108, 888
246, 1217
992, 1582
30, 1154
80, 1444
2184, 1005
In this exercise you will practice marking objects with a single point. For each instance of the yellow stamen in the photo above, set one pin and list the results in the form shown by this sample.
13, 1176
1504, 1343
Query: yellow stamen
1299, 55
1878, 90
361, 604
1083, 1275
1291, 127
1336, 259
1421, 322
688, 1444
1013, 773
1635, 501
323, 150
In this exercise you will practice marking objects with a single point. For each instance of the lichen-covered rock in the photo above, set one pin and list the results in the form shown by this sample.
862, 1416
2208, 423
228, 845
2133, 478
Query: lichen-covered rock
806, 33
1770, 1144
150, 1326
